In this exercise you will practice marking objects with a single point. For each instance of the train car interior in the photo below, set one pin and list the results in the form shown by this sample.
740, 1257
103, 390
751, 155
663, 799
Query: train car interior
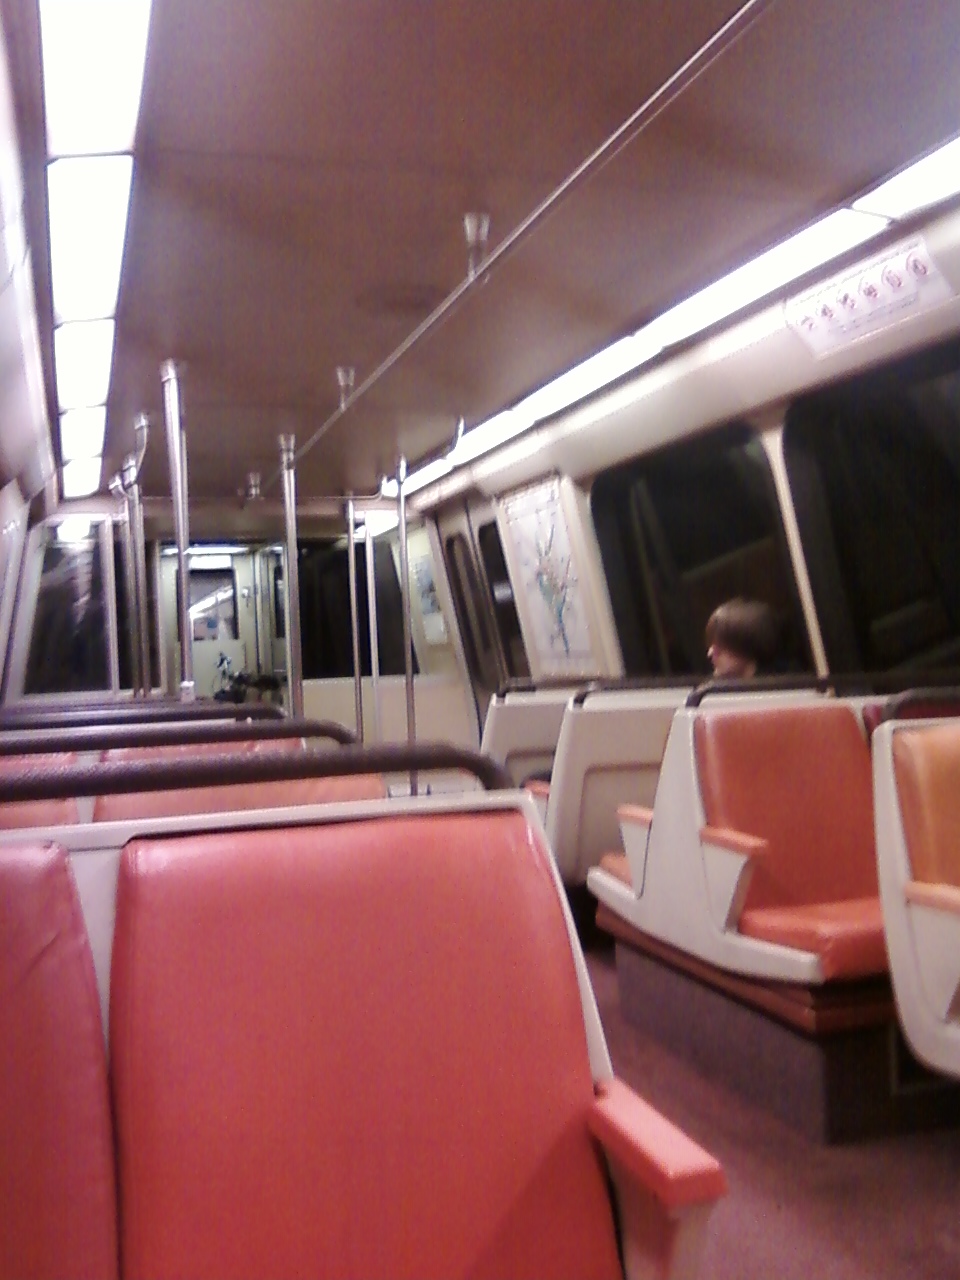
479, 639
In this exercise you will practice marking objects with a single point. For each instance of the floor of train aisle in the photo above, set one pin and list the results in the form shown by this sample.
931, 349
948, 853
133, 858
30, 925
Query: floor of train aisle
871, 1210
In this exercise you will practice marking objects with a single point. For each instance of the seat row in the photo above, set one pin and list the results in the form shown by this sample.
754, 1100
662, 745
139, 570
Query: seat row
757, 849
362, 1045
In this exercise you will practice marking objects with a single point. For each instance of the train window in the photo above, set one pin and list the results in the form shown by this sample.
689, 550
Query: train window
504, 608
325, 627
682, 530
68, 645
468, 602
213, 604
874, 468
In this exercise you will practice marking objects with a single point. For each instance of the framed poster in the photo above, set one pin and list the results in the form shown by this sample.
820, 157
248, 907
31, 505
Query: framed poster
551, 598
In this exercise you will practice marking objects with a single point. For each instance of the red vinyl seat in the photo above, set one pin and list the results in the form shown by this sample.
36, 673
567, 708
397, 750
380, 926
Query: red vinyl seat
57, 1185
800, 778
37, 813
358, 1049
133, 805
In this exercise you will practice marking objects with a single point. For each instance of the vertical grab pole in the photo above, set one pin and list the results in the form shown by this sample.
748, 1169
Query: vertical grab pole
368, 550
118, 487
405, 593
140, 580
176, 450
291, 577
354, 617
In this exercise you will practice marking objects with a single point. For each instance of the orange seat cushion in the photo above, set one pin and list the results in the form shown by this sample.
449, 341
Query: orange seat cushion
927, 768
616, 864
800, 777
37, 813
355, 1050
234, 797
847, 936
57, 1187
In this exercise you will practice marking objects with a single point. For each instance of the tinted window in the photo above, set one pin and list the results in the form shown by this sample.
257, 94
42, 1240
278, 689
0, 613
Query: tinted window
68, 647
504, 608
682, 530
326, 638
468, 601
875, 471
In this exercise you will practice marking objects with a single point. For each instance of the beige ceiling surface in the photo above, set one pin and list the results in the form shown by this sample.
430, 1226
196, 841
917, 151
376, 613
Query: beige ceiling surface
303, 167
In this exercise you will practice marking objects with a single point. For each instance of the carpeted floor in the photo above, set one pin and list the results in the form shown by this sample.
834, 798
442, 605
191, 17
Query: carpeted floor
797, 1210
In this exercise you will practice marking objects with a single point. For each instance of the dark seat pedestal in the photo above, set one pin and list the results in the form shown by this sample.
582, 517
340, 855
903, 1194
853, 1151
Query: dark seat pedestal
850, 1082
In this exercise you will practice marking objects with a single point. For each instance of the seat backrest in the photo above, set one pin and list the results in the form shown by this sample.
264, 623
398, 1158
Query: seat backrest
57, 1187
800, 777
37, 813
352, 1049
926, 763
234, 797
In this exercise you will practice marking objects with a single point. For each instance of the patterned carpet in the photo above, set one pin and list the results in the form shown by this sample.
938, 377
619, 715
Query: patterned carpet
797, 1210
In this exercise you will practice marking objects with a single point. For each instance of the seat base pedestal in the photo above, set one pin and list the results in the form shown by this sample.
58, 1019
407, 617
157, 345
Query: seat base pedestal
840, 1086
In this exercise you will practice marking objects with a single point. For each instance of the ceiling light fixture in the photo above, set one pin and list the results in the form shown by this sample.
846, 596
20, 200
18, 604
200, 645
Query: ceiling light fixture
816, 245
74, 529
81, 477
88, 200
93, 60
82, 432
84, 352
813, 247
927, 182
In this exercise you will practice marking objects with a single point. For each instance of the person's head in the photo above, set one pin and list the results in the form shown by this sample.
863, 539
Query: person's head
741, 638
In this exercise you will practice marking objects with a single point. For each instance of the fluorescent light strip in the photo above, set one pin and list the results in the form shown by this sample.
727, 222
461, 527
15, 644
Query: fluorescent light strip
763, 275
84, 353
934, 178
88, 200
93, 60
808, 249
81, 477
74, 529
82, 432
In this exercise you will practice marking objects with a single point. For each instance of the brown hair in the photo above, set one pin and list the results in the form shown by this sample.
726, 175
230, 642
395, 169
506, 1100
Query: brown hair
748, 628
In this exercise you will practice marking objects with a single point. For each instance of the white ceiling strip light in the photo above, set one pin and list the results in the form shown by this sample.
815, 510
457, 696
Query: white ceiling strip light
928, 182
93, 60
933, 179
88, 201
82, 432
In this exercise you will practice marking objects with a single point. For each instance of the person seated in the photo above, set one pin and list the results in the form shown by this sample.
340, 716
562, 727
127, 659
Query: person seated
742, 639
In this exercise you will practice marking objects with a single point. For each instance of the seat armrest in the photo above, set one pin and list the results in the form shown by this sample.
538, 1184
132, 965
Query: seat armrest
666, 1184
728, 861
636, 821
940, 897
637, 814
540, 791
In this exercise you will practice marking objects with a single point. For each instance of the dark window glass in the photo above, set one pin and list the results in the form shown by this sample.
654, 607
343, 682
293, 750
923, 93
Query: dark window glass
68, 648
213, 604
874, 468
325, 632
504, 608
682, 530
468, 601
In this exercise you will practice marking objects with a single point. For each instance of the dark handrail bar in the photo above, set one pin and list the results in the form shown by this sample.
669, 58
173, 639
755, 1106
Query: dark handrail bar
526, 684
136, 713
14, 742
899, 703
60, 781
841, 682
627, 684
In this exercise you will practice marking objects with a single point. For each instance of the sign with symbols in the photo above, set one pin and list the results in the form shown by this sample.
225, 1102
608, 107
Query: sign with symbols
903, 279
